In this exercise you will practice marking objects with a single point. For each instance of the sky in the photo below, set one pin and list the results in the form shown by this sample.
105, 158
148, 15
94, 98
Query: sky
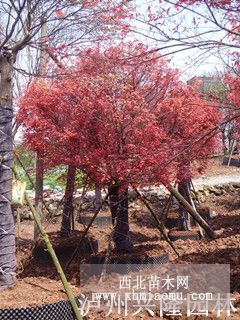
191, 62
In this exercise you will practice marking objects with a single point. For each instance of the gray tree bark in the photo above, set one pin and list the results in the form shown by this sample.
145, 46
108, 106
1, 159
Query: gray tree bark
7, 228
68, 202
184, 191
119, 212
98, 198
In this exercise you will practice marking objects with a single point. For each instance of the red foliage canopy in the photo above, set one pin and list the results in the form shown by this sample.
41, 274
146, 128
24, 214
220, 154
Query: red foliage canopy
121, 115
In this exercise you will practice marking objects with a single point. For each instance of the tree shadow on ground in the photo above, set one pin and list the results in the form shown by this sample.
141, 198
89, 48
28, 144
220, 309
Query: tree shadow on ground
43, 267
38, 262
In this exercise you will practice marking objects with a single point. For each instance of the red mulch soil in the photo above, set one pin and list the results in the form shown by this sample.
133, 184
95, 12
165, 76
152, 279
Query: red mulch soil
145, 250
38, 281
33, 291
173, 215
183, 233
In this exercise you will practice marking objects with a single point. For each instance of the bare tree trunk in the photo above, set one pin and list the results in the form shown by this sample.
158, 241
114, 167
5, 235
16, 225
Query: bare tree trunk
194, 214
7, 229
98, 198
183, 189
39, 160
113, 201
68, 202
119, 211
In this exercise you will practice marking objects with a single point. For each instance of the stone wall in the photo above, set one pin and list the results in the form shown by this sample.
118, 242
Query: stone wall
157, 196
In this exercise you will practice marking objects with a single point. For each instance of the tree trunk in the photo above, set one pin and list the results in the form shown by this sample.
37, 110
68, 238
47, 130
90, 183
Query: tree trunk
68, 202
113, 201
119, 211
98, 198
7, 229
183, 189
195, 215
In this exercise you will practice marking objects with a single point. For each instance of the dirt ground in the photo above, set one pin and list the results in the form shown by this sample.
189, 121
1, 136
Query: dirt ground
38, 282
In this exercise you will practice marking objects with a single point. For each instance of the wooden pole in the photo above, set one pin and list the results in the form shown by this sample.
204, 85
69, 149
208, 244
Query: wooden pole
196, 216
167, 207
195, 192
231, 153
194, 207
18, 227
39, 160
32, 183
85, 232
52, 253
85, 189
159, 224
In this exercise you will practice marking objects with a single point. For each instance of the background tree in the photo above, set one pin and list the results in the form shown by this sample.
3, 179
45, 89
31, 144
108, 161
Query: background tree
181, 25
233, 110
192, 142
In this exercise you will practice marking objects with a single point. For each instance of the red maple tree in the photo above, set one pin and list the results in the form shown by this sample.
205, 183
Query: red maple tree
123, 117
